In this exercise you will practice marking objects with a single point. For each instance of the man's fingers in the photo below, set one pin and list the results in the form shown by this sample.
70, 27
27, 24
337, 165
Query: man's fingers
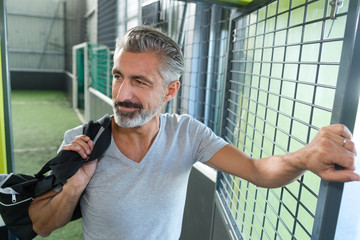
350, 145
76, 148
341, 130
338, 132
83, 137
341, 176
332, 147
85, 142
340, 135
83, 145
341, 156
347, 162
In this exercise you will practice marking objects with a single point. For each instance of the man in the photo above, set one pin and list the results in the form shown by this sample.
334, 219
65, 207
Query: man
137, 188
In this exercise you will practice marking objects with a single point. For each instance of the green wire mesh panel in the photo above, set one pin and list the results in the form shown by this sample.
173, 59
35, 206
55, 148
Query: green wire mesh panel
80, 76
282, 82
100, 69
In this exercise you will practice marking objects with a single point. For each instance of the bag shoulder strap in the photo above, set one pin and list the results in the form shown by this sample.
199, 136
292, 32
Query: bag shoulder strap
91, 128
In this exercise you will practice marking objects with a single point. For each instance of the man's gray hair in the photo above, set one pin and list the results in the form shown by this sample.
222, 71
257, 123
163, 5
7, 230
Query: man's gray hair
147, 39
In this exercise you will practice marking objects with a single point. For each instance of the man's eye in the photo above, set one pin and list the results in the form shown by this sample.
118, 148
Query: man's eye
140, 82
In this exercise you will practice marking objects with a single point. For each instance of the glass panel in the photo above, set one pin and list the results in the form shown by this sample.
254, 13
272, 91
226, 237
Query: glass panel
331, 52
310, 53
308, 73
296, 16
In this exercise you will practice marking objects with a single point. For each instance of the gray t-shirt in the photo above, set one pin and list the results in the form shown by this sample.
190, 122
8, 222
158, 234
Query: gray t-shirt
135, 201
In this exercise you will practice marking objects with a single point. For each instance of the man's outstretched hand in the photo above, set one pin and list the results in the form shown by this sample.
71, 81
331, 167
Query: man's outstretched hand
331, 154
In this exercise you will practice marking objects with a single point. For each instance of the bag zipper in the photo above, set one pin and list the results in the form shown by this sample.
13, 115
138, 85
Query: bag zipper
11, 191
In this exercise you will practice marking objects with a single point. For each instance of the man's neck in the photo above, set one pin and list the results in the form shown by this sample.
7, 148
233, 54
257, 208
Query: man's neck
148, 130
135, 142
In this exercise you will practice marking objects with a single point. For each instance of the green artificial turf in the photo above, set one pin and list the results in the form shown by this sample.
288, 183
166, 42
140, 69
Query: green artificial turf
39, 120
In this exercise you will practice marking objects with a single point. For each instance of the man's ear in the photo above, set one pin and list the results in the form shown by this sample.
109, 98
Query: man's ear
171, 90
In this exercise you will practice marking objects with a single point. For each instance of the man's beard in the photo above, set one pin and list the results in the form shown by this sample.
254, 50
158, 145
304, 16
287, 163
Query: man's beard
136, 118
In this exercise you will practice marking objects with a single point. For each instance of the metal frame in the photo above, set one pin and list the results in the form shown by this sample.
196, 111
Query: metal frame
180, 41
6, 88
108, 76
231, 4
230, 222
233, 232
199, 62
6, 95
214, 81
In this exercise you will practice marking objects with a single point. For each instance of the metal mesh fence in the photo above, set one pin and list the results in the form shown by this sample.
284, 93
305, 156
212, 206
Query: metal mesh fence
80, 69
284, 67
92, 69
106, 26
100, 68
204, 42
201, 30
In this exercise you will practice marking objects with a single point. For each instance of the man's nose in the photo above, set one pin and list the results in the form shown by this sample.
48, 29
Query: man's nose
125, 91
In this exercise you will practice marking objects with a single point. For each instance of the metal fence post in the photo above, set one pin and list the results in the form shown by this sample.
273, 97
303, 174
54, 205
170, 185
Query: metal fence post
6, 88
344, 111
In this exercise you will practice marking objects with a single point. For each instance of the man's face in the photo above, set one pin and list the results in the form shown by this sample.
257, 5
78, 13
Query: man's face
138, 90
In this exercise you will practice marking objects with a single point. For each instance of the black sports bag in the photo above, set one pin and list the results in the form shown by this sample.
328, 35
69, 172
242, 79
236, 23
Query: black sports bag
17, 191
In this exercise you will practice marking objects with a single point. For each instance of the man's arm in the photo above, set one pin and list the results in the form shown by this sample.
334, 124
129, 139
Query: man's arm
53, 210
320, 157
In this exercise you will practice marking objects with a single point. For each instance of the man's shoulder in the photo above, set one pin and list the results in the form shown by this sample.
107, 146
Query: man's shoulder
180, 121
175, 118
72, 133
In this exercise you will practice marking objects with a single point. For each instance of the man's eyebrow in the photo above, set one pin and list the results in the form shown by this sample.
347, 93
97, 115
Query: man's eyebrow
142, 77
115, 71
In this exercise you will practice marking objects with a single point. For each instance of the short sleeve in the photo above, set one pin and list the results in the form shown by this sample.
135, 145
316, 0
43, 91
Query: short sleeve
208, 143
70, 135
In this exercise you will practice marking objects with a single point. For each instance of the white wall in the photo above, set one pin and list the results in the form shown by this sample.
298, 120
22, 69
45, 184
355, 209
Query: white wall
91, 23
349, 218
35, 34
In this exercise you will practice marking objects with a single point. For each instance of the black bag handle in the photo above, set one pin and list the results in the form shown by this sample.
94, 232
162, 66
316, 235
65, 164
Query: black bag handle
90, 129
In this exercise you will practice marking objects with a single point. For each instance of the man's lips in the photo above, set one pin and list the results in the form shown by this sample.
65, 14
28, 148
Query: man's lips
128, 106
127, 109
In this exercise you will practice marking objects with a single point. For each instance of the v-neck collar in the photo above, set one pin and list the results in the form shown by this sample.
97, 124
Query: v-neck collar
143, 161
